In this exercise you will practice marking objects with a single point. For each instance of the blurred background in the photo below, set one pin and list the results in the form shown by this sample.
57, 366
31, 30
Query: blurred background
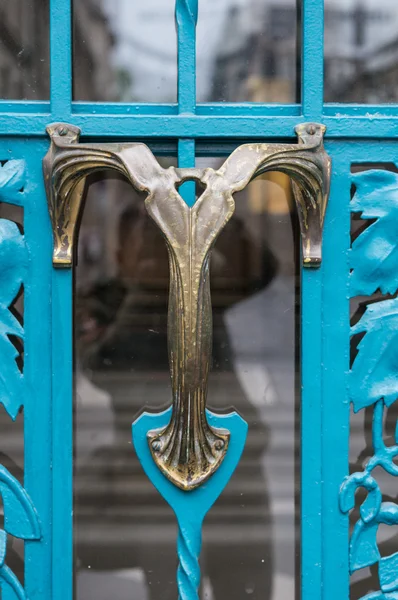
247, 50
123, 528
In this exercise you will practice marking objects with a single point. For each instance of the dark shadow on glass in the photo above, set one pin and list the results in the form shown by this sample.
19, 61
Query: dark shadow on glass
24, 49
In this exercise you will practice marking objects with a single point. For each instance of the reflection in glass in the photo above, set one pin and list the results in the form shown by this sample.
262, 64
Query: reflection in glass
361, 49
127, 51
125, 534
247, 51
24, 49
124, 51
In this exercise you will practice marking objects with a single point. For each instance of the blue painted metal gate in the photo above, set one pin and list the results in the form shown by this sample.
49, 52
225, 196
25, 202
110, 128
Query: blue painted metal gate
40, 512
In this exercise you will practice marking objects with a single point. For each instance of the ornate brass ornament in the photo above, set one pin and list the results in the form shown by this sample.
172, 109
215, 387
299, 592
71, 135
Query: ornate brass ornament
188, 450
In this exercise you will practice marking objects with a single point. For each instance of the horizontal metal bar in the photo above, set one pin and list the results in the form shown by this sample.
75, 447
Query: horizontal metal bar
115, 108
247, 109
155, 126
244, 109
109, 108
215, 127
205, 109
24, 106
369, 111
346, 122
208, 109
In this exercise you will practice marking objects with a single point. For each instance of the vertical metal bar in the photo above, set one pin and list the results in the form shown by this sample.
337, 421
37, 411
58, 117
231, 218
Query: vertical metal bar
186, 158
186, 14
311, 336
61, 59
62, 329
62, 415
37, 370
312, 59
311, 433
336, 364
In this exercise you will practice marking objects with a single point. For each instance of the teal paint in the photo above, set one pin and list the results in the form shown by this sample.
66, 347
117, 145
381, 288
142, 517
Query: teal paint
186, 17
311, 433
13, 260
374, 372
20, 520
374, 254
20, 516
12, 182
277, 122
62, 429
11, 589
186, 158
60, 59
335, 413
191, 507
373, 379
38, 431
312, 59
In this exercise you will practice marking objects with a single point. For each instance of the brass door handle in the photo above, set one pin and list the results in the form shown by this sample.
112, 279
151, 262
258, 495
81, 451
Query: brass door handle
188, 450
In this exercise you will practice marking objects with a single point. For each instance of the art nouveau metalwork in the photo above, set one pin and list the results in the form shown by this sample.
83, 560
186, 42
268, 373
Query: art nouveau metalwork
373, 378
20, 516
188, 451
187, 446
68, 163
13, 252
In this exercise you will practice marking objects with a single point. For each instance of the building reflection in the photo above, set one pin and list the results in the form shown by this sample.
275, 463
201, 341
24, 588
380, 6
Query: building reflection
247, 51
255, 58
258, 55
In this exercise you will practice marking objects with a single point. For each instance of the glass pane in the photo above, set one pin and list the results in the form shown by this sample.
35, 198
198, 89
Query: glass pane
360, 51
250, 539
124, 51
124, 531
247, 51
24, 49
125, 534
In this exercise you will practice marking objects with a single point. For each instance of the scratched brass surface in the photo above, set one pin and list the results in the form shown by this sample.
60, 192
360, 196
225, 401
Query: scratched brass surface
188, 450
